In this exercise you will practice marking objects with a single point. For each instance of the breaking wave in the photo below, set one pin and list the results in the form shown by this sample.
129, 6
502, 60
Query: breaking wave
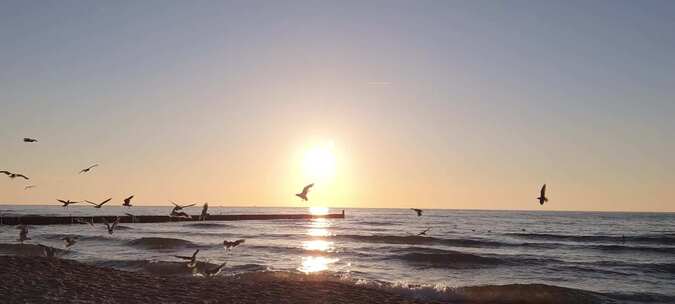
161, 243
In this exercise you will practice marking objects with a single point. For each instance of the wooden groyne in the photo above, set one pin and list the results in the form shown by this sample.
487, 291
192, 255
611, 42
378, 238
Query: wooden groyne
66, 220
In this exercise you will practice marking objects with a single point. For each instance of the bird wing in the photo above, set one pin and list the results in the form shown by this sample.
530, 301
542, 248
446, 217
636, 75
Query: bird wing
194, 255
237, 242
190, 205
92, 166
103, 202
128, 199
6, 172
95, 204
117, 221
187, 258
21, 175
543, 190
205, 208
62, 201
175, 204
306, 189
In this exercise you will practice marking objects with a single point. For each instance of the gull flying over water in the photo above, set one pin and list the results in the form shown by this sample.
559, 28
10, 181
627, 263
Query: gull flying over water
14, 175
419, 211
231, 244
179, 207
424, 232
85, 170
542, 195
179, 214
192, 259
98, 206
214, 271
23, 233
29, 140
205, 212
127, 201
111, 228
305, 191
66, 203
69, 241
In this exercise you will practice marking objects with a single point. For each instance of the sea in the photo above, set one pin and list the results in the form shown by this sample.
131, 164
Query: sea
467, 255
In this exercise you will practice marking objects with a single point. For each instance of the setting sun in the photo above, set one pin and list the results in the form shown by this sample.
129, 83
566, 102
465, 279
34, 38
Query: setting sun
319, 163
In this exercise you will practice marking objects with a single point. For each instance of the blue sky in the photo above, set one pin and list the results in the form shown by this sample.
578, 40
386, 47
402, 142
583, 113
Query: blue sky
427, 102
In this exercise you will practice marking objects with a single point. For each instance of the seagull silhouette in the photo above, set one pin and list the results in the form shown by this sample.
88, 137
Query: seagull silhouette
111, 228
66, 203
23, 233
179, 214
305, 191
419, 211
127, 201
214, 271
231, 244
69, 241
29, 140
424, 232
192, 259
179, 207
14, 175
98, 206
85, 170
29, 187
205, 212
542, 195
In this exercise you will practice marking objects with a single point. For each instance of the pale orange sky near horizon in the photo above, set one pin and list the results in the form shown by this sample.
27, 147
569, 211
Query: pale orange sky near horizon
433, 105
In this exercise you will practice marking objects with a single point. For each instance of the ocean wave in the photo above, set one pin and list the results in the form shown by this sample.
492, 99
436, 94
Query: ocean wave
438, 258
166, 268
209, 225
161, 243
659, 239
421, 240
30, 250
378, 223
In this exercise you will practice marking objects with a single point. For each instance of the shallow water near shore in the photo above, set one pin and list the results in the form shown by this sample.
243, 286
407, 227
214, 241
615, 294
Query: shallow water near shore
616, 257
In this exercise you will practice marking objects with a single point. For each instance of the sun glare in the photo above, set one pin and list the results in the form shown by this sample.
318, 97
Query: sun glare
319, 163
318, 210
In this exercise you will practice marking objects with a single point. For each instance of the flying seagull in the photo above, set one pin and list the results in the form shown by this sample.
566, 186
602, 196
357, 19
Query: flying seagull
424, 232
49, 252
192, 259
305, 191
98, 206
214, 271
127, 201
85, 170
179, 214
23, 233
66, 203
14, 175
29, 187
179, 207
231, 244
419, 211
542, 195
69, 241
29, 140
111, 228
205, 212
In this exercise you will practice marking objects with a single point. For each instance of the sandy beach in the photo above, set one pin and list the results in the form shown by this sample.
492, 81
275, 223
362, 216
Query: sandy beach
52, 280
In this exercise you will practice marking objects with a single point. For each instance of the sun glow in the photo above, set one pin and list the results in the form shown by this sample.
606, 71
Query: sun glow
316, 210
318, 163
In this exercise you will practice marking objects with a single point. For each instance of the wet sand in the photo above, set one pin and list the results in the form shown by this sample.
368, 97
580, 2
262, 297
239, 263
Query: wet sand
52, 280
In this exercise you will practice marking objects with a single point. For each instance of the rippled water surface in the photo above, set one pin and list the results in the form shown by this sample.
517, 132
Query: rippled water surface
627, 256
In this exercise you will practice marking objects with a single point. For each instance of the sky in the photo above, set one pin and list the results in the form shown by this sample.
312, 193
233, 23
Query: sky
431, 104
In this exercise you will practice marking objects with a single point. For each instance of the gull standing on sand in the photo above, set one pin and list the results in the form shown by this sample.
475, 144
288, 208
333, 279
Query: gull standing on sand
305, 191
69, 241
228, 245
111, 228
23, 233
542, 195
424, 232
14, 175
205, 212
419, 211
86, 170
67, 203
98, 206
29, 140
192, 259
127, 202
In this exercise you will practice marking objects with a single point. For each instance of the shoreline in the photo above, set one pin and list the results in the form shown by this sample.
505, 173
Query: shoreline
53, 280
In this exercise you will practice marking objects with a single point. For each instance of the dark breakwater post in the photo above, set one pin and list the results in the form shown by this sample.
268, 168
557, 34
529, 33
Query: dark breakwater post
66, 220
